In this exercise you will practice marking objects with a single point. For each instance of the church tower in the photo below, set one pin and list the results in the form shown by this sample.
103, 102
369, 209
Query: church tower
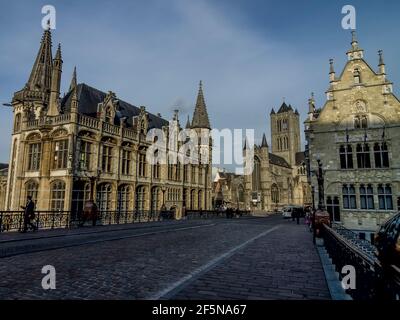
285, 133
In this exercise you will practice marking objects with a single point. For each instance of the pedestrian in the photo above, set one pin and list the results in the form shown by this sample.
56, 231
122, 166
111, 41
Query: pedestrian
29, 215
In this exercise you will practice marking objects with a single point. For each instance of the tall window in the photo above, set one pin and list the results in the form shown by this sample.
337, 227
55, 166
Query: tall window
333, 208
349, 197
155, 199
178, 172
32, 189
193, 174
186, 173
140, 199
104, 200
385, 197
346, 157
108, 115
142, 165
275, 194
156, 171
84, 157
60, 154
200, 175
363, 156
106, 163
257, 175
367, 197
357, 76
200, 200
126, 162
124, 198
34, 155
57, 196
381, 154
17, 123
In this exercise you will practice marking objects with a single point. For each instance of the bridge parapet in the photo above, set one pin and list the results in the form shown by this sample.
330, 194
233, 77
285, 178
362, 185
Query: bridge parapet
373, 279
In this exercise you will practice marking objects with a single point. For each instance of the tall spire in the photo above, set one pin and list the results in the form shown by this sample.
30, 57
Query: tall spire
382, 69
332, 74
188, 125
200, 117
74, 81
355, 52
264, 143
55, 84
40, 78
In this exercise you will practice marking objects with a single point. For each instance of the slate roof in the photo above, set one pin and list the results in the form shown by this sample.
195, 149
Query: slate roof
89, 98
3, 166
278, 161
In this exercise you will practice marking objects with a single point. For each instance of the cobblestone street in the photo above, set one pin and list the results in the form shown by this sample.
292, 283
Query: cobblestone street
249, 258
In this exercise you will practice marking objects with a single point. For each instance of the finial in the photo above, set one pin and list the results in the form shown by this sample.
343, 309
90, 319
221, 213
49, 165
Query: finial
354, 41
201, 85
331, 70
380, 52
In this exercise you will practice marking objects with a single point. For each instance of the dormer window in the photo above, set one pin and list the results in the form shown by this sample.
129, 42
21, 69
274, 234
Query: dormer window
357, 76
108, 115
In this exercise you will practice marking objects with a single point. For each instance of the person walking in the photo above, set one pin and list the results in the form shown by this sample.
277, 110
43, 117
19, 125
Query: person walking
29, 215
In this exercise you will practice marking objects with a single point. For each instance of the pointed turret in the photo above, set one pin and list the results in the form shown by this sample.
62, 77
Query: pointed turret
200, 117
311, 104
332, 74
74, 81
188, 125
272, 111
355, 52
382, 66
55, 83
264, 143
40, 78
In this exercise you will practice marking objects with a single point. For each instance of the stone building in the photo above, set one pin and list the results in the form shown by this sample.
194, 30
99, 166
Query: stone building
91, 144
279, 175
228, 190
3, 185
355, 136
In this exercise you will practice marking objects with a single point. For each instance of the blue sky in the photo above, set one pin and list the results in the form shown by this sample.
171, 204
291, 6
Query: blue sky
249, 53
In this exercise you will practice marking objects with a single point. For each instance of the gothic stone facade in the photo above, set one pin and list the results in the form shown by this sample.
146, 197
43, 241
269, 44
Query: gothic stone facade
228, 190
91, 144
279, 176
355, 135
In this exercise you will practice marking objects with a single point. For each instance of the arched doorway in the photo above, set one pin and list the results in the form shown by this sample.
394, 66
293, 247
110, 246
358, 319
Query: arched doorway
140, 199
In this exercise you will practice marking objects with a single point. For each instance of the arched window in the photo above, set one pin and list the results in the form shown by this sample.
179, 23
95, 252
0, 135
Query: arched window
17, 122
57, 196
140, 199
104, 193
34, 156
155, 199
32, 189
381, 154
257, 175
346, 157
275, 194
200, 200
363, 156
192, 199
124, 198
364, 122
241, 193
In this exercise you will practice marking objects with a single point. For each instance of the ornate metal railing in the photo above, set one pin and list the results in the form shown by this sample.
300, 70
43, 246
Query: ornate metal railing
373, 279
12, 221
212, 214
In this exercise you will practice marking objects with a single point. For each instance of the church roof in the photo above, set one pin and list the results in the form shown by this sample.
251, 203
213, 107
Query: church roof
89, 98
3, 166
278, 161
285, 108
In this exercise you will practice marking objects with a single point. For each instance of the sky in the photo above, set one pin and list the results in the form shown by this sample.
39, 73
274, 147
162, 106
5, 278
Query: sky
250, 54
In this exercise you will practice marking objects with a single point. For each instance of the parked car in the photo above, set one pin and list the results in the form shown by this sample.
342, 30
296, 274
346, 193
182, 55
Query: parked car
387, 242
287, 211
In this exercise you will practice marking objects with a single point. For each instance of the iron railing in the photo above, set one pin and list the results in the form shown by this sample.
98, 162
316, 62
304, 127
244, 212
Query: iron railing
47, 220
373, 279
210, 214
